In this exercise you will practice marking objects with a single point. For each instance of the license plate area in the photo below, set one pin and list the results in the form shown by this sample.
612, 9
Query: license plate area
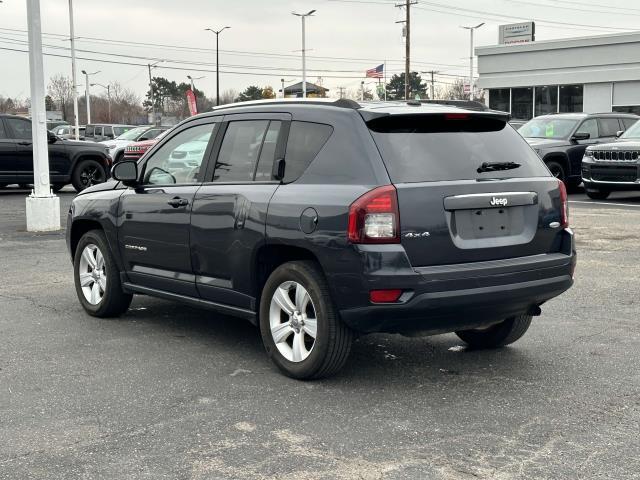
480, 223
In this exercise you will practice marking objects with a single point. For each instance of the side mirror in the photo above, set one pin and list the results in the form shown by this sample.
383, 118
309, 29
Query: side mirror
126, 172
619, 133
51, 137
581, 136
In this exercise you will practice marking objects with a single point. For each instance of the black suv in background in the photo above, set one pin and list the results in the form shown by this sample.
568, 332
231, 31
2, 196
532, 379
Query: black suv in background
319, 220
81, 163
613, 166
561, 139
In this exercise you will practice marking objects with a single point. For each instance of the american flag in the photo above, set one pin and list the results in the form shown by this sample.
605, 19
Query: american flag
376, 72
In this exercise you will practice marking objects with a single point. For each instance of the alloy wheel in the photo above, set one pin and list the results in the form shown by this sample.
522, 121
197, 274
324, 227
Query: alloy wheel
91, 175
293, 321
93, 274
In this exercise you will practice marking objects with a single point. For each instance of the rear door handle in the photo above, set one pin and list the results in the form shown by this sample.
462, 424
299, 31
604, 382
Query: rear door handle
178, 202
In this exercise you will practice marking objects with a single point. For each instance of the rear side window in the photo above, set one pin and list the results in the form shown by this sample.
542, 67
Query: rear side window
431, 148
239, 151
21, 128
305, 141
609, 127
3, 133
267, 154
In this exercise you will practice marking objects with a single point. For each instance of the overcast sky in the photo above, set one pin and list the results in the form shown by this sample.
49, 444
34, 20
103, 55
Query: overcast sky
263, 43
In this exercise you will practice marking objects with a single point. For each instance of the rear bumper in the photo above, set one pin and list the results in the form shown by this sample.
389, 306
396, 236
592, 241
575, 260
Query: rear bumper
456, 297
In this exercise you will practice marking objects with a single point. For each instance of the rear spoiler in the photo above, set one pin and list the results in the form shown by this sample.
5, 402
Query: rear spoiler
369, 115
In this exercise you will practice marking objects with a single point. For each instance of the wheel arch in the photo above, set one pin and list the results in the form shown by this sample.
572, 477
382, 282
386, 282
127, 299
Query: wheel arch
78, 228
561, 158
271, 256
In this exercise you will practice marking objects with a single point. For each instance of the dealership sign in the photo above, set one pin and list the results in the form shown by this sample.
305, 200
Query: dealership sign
524, 32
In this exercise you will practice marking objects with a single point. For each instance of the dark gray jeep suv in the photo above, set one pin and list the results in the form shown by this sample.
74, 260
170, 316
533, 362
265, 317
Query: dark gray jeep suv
321, 220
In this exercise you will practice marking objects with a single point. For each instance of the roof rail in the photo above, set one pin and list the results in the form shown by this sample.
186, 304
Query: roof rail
466, 104
340, 103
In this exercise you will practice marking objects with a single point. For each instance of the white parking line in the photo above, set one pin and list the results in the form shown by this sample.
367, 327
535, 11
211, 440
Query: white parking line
605, 203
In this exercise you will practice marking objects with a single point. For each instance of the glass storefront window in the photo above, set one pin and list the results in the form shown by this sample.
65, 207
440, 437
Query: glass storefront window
627, 109
522, 103
546, 100
571, 98
499, 99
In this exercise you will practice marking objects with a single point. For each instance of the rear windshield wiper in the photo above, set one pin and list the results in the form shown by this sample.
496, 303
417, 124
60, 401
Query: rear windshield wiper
495, 166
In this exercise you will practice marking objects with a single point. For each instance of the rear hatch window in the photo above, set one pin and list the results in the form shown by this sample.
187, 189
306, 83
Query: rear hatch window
454, 146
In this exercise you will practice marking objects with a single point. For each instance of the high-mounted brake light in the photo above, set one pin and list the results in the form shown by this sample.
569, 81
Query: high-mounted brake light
374, 217
564, 205
456, 116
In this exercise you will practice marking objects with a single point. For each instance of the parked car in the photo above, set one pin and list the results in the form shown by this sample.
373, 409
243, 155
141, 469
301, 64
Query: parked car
315, 220
81, 163
613, 166
101, 132
68, 132
51, 124
561, 139
135, 150
117, 145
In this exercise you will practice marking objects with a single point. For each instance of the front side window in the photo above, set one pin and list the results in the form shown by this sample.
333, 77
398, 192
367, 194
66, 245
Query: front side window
179, 160
89, 131
21, 128
240, 150
589, 126
3, 133
98, 132
609, 127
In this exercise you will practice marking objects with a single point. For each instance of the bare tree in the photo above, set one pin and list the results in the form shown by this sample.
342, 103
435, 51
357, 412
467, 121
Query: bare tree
228, 96
61, 91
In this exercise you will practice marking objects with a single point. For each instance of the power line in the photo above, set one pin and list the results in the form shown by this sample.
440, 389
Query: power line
573, 8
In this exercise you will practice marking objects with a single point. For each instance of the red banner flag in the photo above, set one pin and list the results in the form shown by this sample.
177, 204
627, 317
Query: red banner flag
191, 100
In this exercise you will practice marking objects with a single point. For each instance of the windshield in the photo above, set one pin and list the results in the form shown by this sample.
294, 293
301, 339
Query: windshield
133, 134
633, 132
548, 127
430, 148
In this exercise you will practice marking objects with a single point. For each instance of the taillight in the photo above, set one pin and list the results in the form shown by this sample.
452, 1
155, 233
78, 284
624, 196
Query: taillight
374, 217
564, 205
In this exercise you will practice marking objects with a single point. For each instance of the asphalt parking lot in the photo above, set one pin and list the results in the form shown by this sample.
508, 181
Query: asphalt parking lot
168, 391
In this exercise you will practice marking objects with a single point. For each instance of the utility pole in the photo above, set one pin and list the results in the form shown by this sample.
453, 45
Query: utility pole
471, 29
87, 94
153, 95
108, 88
433, 88
362, 90
303, 16
407, 43
42, 207
341, 90
73, 71
217, 33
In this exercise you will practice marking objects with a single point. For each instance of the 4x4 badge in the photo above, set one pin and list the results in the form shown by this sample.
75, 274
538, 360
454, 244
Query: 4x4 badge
495, 201
416, 234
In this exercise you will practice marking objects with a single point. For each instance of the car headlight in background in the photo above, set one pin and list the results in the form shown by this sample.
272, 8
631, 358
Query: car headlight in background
588, 153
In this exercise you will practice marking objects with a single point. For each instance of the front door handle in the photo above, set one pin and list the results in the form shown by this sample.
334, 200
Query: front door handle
178, 202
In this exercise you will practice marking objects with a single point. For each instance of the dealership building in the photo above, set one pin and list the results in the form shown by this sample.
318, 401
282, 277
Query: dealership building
589, 74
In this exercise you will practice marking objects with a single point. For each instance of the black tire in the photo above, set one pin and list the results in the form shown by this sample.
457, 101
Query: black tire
499, 335
573, 184
56, 187
86, 173
598, 194
557, 170
114, 301
333, 338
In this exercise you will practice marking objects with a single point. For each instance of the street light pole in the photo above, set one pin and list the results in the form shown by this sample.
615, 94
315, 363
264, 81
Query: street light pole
303, 16
153, 96
191, 79
471, 29
42, 207
73, 71
217, 32
87, 94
